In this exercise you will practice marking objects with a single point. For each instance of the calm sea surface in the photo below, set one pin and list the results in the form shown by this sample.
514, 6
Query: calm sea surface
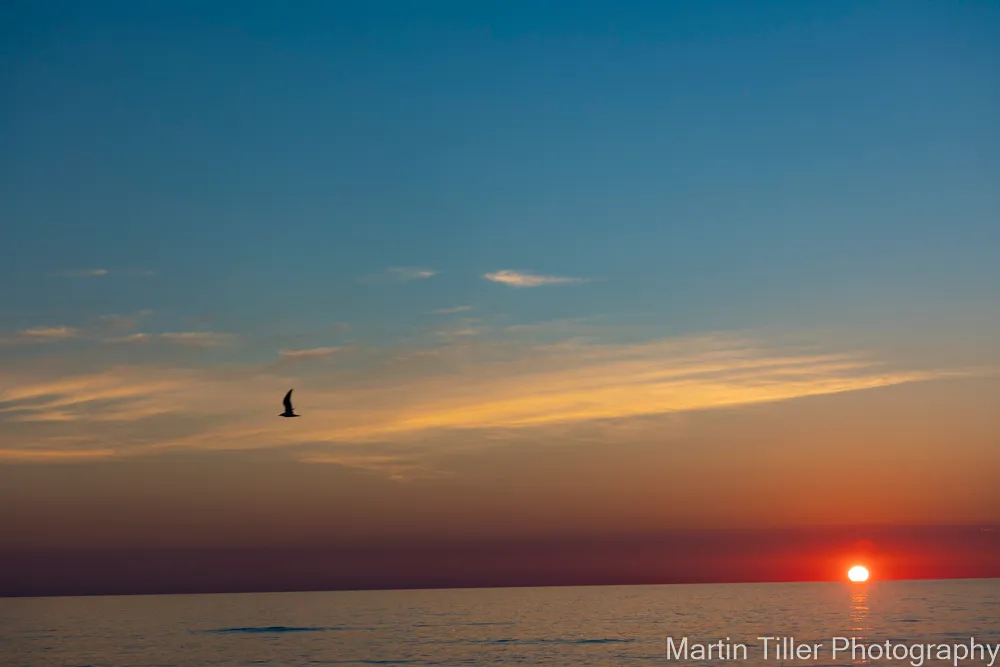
626, 625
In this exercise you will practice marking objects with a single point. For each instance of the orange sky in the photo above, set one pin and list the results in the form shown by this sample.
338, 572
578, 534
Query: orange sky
678, 557
538, 503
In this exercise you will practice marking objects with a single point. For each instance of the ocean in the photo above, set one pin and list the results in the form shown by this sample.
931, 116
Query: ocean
890, 623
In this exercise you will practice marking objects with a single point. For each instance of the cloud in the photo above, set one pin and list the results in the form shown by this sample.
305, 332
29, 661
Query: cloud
400, 274
52, 455
451, 311
406, 273
460, 329
42, 335
50, 333
396, 465
83, 273
461, 332
310, 353
132, 338
113, 328
118, 394
466, 394
527, 279
197, 338
119, 329
94, 273
200, 339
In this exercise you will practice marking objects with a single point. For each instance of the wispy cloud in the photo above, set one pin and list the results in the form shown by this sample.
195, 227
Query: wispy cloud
528, 279
95, 273
400, 274
42, 335
306, 354
138, 337
481, 387
198, 338
460, 332
117, 394
408, 273
83, 273
451, 311
202, 339
103, 328
113, 327
53, 455
50, 333
461, 328
396, 465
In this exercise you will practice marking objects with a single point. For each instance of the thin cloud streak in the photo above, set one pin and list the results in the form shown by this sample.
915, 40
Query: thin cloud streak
200, 339
96, 273
310, 353
116, 329
397, 468
461, 328
133, 386
451, 311
52, 455
83, 273
527, 279
41, 335
477, 388
131, 338
408, 273
50, 333
400, 274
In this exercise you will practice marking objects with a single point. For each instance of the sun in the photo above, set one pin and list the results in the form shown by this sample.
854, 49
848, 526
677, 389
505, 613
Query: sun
858, 573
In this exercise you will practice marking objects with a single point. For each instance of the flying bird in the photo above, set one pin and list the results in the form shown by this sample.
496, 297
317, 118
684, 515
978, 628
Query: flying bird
289, 411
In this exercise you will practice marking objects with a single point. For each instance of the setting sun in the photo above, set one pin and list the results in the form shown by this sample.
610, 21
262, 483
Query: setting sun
858, 573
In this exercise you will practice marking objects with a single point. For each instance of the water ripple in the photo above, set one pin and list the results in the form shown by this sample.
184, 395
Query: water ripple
591, 627
267, 629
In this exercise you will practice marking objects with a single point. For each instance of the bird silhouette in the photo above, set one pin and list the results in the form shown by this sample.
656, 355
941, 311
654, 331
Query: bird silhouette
289, 411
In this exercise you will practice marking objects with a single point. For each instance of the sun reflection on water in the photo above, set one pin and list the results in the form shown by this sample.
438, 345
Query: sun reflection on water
860, 626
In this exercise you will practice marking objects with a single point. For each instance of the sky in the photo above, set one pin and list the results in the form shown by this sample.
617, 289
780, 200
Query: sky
602, 292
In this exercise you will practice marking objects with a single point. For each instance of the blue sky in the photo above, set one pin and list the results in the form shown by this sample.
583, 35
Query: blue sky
715, 165
373, 202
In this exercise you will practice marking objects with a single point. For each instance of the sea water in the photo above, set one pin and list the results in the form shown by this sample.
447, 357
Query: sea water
600, 625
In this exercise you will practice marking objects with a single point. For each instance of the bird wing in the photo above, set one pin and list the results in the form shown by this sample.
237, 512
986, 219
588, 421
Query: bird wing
288, 400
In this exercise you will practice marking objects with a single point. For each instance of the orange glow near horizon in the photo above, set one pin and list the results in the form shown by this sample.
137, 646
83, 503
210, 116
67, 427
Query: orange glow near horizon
858, 573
